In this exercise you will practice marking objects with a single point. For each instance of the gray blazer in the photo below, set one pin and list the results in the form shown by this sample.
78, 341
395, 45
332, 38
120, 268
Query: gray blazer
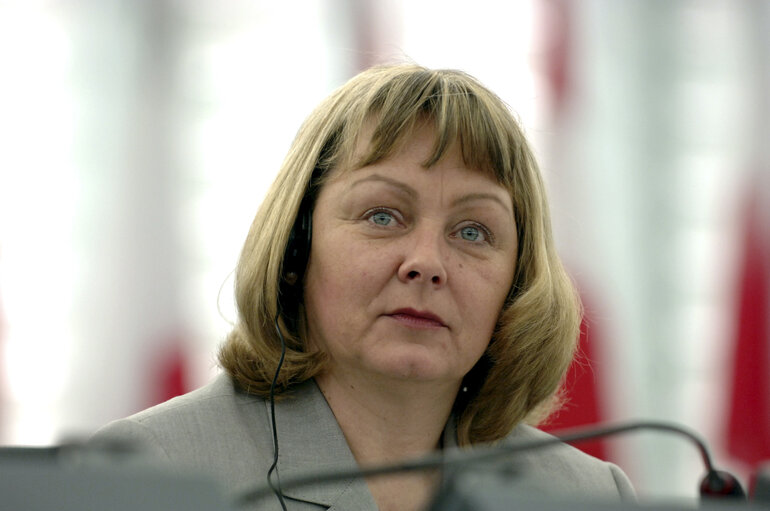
220, 430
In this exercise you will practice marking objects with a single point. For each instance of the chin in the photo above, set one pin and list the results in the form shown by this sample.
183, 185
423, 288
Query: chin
415, 368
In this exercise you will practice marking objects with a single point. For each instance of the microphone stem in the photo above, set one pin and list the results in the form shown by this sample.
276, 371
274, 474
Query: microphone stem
483, 454
574, 435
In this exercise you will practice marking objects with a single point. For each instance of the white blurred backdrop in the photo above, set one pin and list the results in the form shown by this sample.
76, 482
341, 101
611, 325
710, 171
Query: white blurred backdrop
137, 139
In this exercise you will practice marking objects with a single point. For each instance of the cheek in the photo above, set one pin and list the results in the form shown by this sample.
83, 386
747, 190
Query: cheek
323, 285
352, 266
334, 284
484, 290
497, 273
492, 279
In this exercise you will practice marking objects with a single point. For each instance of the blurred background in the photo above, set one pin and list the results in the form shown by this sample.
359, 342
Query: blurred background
137, 139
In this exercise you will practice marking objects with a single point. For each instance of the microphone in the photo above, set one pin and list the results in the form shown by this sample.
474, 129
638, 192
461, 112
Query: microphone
715, 484
720, 484
761, 486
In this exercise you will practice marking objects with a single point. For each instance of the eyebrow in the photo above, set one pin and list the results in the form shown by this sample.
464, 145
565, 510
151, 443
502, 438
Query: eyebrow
482, 196
412, 193
405, 188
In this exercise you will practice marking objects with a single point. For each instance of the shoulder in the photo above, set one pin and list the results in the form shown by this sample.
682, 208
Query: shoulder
563, 469
215, 428
193, 413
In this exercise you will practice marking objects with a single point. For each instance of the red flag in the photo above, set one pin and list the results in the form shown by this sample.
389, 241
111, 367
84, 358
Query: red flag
581, 386
170, 378
555, 34
749, 420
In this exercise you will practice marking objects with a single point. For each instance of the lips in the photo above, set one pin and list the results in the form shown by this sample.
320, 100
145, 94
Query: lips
416, 318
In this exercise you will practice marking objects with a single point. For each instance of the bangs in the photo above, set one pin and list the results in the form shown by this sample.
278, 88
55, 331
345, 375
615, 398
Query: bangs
389, 107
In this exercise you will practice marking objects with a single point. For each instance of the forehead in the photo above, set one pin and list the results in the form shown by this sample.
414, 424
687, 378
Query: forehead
417, 148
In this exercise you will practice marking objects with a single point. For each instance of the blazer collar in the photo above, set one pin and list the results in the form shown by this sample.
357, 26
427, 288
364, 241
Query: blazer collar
310, 439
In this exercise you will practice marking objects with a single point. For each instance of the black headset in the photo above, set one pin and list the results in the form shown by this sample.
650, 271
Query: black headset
295, 259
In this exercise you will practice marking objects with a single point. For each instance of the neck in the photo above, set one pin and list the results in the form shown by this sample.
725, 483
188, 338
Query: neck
388, 421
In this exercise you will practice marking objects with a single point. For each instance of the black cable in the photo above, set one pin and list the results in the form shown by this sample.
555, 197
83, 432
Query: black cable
453, 459
276, 488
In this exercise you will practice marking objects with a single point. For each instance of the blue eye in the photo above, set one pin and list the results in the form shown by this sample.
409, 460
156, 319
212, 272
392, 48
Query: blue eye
474, 233
471, 233
382, 218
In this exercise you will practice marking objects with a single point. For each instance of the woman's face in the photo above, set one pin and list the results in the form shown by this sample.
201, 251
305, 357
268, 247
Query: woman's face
409, 267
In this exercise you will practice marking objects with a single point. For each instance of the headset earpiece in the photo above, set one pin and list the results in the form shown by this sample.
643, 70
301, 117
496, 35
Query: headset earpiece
295, 260
298, 248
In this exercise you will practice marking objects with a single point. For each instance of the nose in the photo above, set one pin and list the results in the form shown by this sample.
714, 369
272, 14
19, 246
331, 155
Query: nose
424, 258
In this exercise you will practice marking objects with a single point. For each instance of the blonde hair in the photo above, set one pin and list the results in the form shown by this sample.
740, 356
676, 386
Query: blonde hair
518, 377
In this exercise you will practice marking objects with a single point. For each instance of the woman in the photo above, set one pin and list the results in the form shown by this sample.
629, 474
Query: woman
404, 260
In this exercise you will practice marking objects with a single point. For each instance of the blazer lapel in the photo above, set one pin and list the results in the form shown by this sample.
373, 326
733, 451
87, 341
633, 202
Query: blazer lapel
310, 440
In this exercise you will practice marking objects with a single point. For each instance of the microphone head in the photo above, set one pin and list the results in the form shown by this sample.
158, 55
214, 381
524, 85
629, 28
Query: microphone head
760, 487
718, 484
